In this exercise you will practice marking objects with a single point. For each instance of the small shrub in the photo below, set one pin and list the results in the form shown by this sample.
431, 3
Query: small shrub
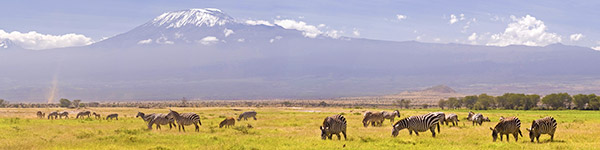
356, 113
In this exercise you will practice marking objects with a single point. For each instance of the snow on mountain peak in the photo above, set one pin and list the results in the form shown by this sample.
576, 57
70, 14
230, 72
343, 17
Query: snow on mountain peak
197, 17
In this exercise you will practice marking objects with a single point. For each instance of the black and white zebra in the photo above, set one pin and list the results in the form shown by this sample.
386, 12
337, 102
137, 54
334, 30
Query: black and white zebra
486, 119
96, 115
545, 125
111, 116
246, 115
149, 117
228, 122
63, 114
453, 118
40, 114
470, 116
82, 114
374, 118
335, 124
441, 119
417, 124
506, 126
184, 119
477, 119
53, 115
391, 115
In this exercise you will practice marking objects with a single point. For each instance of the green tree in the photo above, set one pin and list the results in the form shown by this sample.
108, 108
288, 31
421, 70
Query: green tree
557, 100
76, 103
454, 103
469, 101
531, 101
442, 104
580, 100
3, 103
405, 103
594, 103
65, 102
484, 102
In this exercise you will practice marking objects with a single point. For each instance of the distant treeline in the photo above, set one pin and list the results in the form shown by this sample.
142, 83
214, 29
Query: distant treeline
523, 102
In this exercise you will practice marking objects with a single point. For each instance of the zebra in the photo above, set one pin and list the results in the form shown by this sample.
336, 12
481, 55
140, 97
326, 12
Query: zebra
148, 118
82, 114
40, 114
477, 119
506, 126
486, 119
451, 118
53, 115
186, 119
391, 116
470, 116
63, 114
441, 119
417, 124
335, 124
247, 115
111, 116
96, 115
545, 125
375, 118
228, 122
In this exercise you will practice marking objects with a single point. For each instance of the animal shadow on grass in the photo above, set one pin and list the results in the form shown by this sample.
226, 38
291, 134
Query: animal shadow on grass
548, 141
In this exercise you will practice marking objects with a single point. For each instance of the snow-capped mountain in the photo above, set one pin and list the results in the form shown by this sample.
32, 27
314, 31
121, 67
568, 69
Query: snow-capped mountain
194, 17
8, 44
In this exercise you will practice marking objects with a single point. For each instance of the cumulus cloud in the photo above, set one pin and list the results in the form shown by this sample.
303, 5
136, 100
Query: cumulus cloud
453, 19
38, 41
400, 17
334, 33
147, 41
526, 30
228, 32
473, 38
259, 22
307, 30
241, 40
209, 40
596, 48
355, 32
576, 37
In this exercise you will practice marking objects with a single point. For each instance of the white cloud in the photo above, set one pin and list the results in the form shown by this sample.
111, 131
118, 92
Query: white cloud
259, 22
355, 32
526, 30
228, 32
437, 39
576, 37
400, 17
38, 41
163, 40
473, 38
208, 40
334, 33
148, 41
453, 19
307, 30
596, 48
462, 16
241, 40
271, 41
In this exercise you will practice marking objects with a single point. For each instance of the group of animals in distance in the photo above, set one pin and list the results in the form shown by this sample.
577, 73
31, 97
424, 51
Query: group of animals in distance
336, 124
182, 119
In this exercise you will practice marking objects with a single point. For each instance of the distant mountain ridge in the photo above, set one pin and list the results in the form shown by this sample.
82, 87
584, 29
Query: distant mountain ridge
439, 89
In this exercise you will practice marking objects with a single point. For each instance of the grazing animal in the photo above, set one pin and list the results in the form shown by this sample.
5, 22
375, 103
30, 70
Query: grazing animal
111, 116
417, 124
545, 125
53, 115
335, 124
470, 116
441, 119
82, 114
247, 115
40, 114
375, 118
453, 118
228, 122
159, 119
184, 119
391, 115
63, 114
486, 119
506, 126
148, 118
97, 116
477, 119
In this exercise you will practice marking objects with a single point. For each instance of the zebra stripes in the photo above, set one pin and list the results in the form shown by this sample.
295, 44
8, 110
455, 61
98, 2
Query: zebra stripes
228, 122
111, 116
417, 124
53, 115
82, 114
97, 116
40, 114
158, 119
441, 118
375, 118
453, 118
246, 115
63, 114
545, 125
335, 124
506, 126
186, 119
391, 115
477, 119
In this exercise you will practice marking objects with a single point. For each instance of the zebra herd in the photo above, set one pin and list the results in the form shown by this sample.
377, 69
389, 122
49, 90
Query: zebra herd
180, 120
82, 114
421, 123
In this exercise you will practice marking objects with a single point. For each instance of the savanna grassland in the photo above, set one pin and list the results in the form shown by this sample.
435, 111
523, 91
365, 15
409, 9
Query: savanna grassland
280, 128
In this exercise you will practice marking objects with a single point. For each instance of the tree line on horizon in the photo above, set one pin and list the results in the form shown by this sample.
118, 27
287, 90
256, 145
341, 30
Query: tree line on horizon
519, 101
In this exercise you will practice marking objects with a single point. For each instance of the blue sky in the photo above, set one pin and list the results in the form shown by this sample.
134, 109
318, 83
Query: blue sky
567, 22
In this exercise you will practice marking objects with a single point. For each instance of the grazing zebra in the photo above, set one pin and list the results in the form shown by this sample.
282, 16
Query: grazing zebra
545, 125
470, 116
228, 122
63, 114
53, 115
111, 116
97, 116
82, 114
375, 118
391, 116
417, 124
486, 119
477, 119
150, 117
40, 114
247, 115
184, 119
441, 119
451, 118
335, 124
510, 125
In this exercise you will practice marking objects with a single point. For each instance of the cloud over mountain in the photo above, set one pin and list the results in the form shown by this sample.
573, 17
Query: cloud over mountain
39, 41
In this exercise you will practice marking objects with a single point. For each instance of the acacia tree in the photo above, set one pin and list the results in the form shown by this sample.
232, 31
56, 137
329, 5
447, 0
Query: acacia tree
557, 100
65, 102
442, 104
581, 99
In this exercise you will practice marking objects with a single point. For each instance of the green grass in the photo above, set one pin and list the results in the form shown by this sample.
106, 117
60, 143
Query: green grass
281, 128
